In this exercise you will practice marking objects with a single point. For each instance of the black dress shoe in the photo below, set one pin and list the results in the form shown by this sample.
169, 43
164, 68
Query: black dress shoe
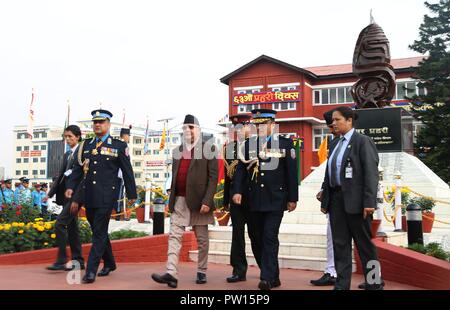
165, 279
365, 286
201, 278
325, 280
105, 271
88, 278
276, 283
56, 267
264, 285
235, 278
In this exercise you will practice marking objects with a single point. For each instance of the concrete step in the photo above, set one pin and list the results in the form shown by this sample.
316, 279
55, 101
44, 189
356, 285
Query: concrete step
315, 237
291, 249
284, 261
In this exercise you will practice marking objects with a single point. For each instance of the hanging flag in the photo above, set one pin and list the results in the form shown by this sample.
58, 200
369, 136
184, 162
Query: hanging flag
123, 120
146, 150
323, 150
163, 139
31, 116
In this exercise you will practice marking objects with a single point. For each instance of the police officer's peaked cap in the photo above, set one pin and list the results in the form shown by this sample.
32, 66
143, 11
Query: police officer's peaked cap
240, 119
101, 115
260, 116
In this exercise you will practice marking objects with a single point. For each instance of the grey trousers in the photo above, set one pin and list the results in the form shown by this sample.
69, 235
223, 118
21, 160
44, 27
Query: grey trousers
179, 220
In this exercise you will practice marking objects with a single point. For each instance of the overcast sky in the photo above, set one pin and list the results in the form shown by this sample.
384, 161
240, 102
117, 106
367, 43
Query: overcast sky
165, 58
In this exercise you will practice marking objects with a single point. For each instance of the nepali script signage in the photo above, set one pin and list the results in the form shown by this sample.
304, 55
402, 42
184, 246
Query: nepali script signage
384, 126
267, 97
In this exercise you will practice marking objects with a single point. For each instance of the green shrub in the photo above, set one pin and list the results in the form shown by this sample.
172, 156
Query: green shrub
126, 234
432, 249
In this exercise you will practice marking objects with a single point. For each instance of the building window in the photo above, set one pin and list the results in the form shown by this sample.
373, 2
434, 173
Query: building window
247, 108
19, 148
26, 148
137, 152
167, 152
284, 106
320, 133
35, 160
44, 135
17, 172
155, 175
155, 152
138, 141
35, 147
36, 135
332, 95
42, 172
25, 160
175, 140
166, 175
137, 175
42, 159
19, 136
275, 89
25, 172
43, 147
137, 163
409, 89
156, 140
35, 172
18, 160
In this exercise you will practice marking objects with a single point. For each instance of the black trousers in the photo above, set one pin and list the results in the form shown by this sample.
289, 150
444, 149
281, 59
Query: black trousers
344, 228
66, 228
101, 248
238, 258
266, 226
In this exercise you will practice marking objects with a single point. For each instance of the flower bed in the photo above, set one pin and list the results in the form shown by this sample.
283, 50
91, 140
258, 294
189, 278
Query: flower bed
20, 236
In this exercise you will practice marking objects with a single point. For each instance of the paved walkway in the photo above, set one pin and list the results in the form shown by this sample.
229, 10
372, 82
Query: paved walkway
137, 277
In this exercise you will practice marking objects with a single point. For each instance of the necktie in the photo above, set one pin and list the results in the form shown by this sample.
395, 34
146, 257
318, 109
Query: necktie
69, 160
333, 181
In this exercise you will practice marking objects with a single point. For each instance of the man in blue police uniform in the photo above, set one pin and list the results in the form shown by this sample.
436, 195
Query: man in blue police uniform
269, 171
37, 199
22, 194
44, 202
239, 213
7, 195
99, 160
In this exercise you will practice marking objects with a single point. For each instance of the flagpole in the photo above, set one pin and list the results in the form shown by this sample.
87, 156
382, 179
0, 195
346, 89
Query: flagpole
30, 133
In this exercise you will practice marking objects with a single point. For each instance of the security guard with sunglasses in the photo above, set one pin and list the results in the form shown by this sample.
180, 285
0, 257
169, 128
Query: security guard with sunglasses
99, 160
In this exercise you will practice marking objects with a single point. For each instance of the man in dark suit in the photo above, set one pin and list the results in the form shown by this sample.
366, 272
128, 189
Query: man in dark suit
269, 171
349, 196
66, 226
239, 213
99, 160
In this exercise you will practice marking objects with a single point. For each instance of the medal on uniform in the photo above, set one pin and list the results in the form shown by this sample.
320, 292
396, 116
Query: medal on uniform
94, 152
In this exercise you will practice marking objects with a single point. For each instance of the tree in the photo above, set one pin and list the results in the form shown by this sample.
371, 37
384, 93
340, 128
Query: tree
432, 108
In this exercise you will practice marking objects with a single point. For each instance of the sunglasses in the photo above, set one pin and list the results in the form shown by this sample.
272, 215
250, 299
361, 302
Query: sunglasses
191, 127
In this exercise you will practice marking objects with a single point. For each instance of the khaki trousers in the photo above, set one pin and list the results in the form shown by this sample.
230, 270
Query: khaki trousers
179, 220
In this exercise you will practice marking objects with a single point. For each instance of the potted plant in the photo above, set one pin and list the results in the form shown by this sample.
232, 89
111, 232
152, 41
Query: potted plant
427, 205
221, 213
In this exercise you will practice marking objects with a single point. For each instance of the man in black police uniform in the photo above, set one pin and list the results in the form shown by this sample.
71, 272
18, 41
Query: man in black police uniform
99, 160
239, 213
125, 137
270, 168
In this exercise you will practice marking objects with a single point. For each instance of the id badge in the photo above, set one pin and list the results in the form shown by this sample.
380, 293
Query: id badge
348, 172
68, 172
